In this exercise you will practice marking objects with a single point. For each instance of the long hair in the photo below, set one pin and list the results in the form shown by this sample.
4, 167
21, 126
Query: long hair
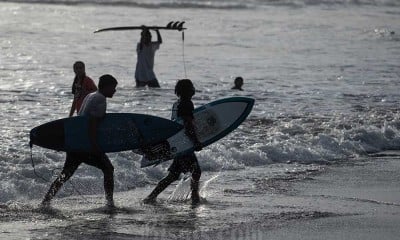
76, 78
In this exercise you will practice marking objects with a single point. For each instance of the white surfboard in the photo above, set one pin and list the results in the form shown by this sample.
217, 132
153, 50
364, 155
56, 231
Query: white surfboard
212, 121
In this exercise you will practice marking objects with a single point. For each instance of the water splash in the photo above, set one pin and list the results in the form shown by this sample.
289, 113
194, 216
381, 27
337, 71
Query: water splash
182, 190
203, 189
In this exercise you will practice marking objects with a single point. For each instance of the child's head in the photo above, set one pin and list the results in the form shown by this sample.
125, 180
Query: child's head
79, 68
107, 85
184, 88
239, 82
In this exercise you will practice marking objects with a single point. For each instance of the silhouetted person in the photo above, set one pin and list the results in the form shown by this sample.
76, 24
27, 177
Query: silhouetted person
238, 83
183, 109
81, 87
94, 106
146, 49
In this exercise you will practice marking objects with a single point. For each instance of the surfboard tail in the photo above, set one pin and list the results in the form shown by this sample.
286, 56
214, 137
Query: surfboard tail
213, 121
50, 135
155, 154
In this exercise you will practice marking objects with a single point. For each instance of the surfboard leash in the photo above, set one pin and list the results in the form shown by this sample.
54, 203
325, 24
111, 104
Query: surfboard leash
33, 165
183, 53
47, 180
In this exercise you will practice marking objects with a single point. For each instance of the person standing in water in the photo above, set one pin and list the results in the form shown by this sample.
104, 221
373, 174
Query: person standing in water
81, 87
146, 49
238, 84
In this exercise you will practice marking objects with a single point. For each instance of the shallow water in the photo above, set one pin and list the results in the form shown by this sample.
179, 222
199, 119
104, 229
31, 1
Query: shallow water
304, 202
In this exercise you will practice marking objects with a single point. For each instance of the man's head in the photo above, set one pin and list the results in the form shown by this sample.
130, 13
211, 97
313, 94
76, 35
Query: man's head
107, 85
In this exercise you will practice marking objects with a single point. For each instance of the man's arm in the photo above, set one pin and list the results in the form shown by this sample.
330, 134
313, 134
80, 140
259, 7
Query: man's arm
159, 39
95, 116
93, 122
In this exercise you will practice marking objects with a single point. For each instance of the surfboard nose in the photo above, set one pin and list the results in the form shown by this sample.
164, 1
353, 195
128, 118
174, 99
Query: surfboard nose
249, 101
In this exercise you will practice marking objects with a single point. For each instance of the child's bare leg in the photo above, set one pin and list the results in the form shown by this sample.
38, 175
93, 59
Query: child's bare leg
161, 186
195, 186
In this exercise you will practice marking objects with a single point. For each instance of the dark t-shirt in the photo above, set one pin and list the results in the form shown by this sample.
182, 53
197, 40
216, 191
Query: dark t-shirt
188, 162
181, 108
185, 108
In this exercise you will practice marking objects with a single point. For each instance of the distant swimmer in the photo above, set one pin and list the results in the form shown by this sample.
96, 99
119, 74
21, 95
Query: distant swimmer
81, 87
146, 49
238, 84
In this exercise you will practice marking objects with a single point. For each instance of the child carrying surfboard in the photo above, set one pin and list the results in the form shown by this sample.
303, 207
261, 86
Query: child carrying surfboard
183, 109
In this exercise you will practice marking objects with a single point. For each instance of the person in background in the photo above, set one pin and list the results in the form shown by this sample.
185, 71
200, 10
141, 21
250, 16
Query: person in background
81, 87
238, 84
146, 49
183, 109
94, 106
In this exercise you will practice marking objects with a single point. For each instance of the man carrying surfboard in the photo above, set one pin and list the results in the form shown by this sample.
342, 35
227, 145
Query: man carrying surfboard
94, 106
183, 109
146, 49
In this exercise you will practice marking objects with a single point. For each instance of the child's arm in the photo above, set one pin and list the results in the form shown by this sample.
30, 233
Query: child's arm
73, 107
191, 133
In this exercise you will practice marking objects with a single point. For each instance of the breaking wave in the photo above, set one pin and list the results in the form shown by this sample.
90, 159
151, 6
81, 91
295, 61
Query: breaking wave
216, 4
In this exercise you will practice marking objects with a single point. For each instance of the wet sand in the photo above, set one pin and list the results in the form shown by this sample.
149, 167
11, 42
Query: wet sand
365, 195
352, 200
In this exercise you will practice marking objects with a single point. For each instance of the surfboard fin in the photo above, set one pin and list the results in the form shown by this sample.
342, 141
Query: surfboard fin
175, 25
169, 25
157, 151
180, 25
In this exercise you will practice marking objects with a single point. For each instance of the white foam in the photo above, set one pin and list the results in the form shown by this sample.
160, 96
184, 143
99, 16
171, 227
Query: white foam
314, 103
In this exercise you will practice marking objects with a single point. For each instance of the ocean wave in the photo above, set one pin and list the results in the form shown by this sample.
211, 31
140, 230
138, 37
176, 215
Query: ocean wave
146, 4
302, 3
315, 140
216, 4
258, 142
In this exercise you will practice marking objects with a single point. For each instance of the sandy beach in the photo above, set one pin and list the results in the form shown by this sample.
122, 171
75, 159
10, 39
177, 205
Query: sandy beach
360, 200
